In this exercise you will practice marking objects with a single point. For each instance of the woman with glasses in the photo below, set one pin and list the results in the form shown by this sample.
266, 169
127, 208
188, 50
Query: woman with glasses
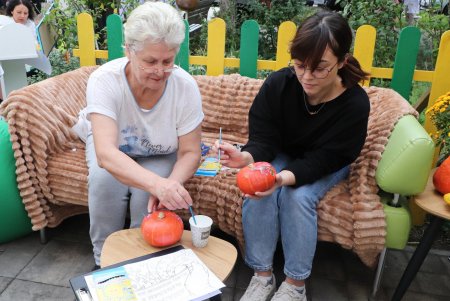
145, 115
310, 121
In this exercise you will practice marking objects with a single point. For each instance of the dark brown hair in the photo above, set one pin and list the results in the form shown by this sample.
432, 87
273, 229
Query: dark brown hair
13, 3
322, 30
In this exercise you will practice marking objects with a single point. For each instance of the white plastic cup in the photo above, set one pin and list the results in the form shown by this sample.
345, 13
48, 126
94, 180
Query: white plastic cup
200, 231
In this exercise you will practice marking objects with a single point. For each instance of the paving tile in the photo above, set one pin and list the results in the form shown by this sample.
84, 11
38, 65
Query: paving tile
433, 264
445, 261
396, 259
357, 290
227, 294
238, 293
391, 277
328, 289
18, 253
32, 291
414, 296
443, 252
58, 262
436, 284
382, 295
4, 282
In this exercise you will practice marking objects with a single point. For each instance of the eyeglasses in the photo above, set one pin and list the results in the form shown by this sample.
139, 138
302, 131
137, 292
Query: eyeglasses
318, 73
155, 70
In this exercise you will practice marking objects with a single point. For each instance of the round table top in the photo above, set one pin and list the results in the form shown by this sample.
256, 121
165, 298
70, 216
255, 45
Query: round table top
218, 255
432, 201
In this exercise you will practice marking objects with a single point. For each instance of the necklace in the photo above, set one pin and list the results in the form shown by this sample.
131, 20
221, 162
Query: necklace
306, 106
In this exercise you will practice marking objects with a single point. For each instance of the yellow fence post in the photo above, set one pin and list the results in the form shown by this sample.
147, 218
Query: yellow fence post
364, 49
216, 47
86, 41
285, 35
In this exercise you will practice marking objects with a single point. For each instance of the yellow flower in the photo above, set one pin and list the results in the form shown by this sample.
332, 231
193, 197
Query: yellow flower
439, 114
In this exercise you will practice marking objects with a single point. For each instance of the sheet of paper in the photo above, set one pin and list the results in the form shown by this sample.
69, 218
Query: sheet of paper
178, 276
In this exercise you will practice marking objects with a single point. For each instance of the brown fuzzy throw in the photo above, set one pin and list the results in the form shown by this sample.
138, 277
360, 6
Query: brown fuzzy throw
52, 172
50, 161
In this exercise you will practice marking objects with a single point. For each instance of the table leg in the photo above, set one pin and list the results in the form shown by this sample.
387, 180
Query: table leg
418, 257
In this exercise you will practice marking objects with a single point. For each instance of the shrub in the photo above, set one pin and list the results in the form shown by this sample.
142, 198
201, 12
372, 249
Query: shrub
61, 62
268, 18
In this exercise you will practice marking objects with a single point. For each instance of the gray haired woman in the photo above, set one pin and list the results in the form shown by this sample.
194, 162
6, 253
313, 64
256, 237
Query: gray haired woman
146, 115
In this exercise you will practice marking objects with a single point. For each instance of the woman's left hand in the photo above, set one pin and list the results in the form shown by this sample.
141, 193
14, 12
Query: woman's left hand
261, 194
282, 178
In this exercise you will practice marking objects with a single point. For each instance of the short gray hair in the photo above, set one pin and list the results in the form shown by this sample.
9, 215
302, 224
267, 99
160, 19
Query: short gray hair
154, 22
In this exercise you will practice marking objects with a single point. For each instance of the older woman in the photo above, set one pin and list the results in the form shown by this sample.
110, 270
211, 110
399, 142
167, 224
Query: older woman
310, 121
145, 115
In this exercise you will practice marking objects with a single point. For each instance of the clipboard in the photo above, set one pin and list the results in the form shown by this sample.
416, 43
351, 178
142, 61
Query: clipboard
78, 283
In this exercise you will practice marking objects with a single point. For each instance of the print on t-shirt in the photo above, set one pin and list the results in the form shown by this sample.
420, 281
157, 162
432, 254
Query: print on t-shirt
138, 144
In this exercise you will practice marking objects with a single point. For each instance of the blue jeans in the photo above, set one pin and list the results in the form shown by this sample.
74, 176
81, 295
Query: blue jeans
290, 212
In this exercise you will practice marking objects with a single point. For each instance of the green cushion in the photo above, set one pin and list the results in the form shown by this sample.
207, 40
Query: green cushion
407, 158
398, 222
14, 221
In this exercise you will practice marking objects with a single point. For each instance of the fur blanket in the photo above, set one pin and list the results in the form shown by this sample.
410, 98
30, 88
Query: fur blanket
52, 173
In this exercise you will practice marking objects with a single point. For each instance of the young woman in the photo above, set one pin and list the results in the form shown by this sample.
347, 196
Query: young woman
310, 121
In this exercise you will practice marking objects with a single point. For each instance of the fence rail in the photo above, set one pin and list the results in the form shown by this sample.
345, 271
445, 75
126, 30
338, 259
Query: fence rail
402, 74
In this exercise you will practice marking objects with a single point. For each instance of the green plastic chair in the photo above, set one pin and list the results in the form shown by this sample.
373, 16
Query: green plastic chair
402, 171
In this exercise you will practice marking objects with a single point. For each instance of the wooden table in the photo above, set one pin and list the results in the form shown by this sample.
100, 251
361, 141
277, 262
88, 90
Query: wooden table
219, 255
432, 202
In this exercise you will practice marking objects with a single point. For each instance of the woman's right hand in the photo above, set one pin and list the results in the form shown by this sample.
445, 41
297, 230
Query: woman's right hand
169, 194
230, 156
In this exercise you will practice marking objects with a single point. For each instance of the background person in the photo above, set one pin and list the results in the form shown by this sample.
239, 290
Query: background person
412, 10
21, 11
145, 118
310, 121
18, 11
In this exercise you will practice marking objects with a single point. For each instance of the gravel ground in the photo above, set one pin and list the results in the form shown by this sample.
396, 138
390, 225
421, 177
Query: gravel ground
442, 241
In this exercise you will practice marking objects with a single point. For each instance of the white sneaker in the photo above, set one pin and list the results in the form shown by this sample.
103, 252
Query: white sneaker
259, 289
287, 292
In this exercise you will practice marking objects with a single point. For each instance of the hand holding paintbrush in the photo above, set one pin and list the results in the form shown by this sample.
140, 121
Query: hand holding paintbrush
228, 155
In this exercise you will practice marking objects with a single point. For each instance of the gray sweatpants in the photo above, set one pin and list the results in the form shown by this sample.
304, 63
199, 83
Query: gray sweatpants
108, 198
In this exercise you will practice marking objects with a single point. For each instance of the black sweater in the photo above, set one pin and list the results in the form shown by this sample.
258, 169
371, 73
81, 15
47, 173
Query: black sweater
319, 144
